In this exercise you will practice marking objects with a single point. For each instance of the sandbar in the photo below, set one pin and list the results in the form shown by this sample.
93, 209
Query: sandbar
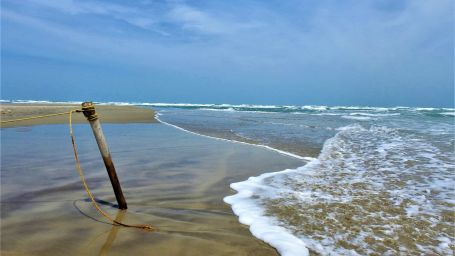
106, 113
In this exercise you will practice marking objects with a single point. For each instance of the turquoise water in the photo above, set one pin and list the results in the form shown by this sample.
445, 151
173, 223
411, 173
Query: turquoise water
377, 181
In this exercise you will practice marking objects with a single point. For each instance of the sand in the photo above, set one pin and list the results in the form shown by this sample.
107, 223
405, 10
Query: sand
107, 114
171, 179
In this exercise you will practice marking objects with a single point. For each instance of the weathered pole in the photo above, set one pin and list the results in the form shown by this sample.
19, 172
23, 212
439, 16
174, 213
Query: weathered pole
88, 108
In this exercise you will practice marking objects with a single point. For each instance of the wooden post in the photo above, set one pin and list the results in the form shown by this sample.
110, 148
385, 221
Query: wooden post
88, 108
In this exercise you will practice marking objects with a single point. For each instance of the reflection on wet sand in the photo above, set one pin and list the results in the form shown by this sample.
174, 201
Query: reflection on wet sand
112, 234
172, 180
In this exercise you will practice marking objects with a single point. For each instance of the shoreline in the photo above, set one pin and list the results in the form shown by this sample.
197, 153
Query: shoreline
282, 152
107, 113
261, 226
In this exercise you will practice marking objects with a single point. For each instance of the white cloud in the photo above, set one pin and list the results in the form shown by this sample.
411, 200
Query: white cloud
204, 22
330, 36
130, 15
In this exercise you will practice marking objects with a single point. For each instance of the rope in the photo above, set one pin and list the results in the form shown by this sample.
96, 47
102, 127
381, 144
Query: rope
35, 117
79, 169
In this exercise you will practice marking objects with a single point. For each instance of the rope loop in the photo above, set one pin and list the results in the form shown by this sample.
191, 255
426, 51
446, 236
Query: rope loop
88, 108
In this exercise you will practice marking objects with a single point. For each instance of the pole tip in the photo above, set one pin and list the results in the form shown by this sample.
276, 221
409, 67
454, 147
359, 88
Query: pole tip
88, 108
87, 104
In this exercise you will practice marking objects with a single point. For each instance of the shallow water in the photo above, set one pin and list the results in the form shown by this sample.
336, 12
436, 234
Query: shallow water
171, 179
381, 182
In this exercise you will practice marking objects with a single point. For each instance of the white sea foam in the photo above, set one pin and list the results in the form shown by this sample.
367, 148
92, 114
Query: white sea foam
40, 102
357, 118
118, 103
254, 106
312, 107
33, 101
220, 109
177, 105
359, 108
340, 168
432, 109
373, 114
426, 109
261, 226
252, 213
246, 107
327, 114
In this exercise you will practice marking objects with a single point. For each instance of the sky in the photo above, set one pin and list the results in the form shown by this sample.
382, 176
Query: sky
293, 52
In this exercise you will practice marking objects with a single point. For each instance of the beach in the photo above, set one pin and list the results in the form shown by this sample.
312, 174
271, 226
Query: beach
290, 128
172, 180
301, 180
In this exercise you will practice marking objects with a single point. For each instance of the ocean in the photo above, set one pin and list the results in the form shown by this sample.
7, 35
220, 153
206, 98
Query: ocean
372, 181
376, 181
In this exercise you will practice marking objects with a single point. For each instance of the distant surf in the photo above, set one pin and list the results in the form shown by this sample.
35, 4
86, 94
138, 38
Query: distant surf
259, 108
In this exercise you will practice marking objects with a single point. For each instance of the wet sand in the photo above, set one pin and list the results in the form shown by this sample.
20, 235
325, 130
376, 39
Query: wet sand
107, 114
171, 179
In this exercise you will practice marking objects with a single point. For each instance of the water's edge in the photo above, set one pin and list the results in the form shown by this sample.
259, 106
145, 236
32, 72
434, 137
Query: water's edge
250, 214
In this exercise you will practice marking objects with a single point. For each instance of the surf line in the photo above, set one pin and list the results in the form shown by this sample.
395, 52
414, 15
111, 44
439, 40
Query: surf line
307, 159
298, 247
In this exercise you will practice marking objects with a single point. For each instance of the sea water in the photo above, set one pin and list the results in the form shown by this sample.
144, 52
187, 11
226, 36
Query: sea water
373, 181
376, 181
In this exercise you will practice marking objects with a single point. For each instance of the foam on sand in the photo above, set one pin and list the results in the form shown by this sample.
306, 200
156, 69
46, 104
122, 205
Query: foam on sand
362, 192
262, 226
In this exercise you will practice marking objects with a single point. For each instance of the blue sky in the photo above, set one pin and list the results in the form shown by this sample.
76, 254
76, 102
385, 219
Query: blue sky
377, 53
